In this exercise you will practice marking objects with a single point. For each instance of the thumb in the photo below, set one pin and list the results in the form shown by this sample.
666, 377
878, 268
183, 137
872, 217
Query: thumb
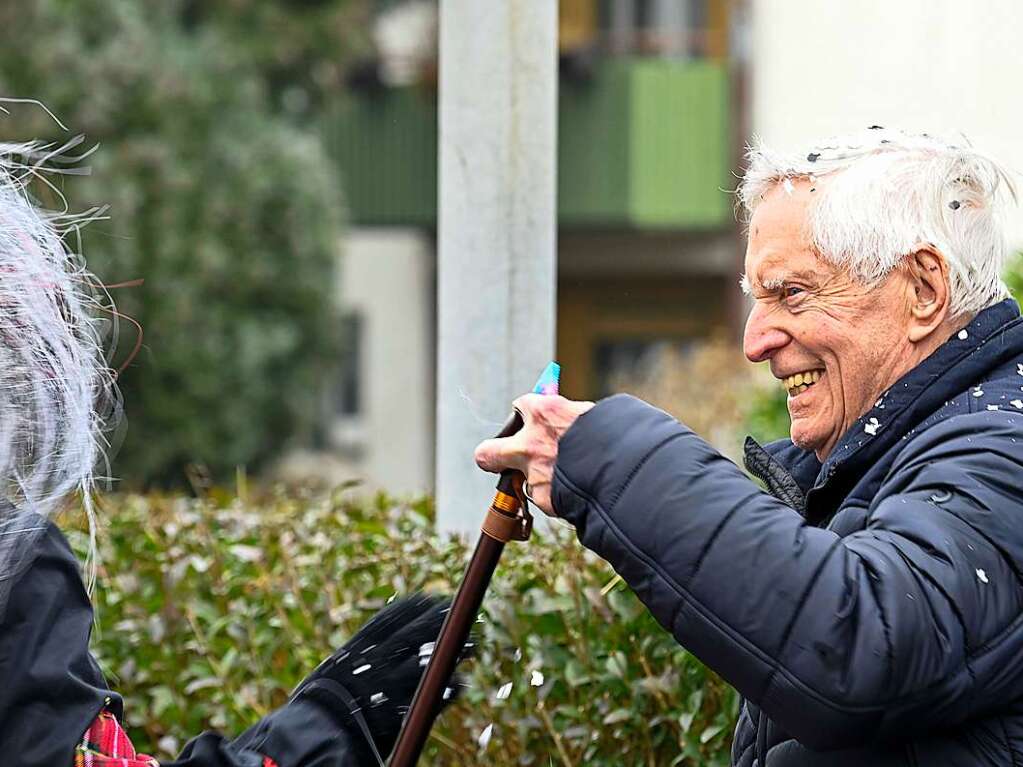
496, 455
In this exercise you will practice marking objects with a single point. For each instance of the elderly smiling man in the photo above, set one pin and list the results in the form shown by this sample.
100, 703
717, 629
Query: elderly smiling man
869, 606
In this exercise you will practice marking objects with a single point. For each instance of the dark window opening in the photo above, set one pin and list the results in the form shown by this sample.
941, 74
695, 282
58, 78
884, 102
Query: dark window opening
348, 389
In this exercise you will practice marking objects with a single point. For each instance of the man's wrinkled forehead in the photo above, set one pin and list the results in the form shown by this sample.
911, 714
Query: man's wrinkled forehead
780, 246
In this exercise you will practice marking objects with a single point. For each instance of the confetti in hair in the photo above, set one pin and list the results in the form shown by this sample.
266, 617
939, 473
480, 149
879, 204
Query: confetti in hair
57, 392
883, 193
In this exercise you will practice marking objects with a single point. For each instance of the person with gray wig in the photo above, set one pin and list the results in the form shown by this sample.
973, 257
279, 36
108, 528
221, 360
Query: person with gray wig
56, 396
866, 600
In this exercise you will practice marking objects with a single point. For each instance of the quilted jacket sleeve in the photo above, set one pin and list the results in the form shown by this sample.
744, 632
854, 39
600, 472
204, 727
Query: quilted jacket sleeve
301, 733
909, 624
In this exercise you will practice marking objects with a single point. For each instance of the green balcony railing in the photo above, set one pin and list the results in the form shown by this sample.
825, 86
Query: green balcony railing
643, 144
386, 146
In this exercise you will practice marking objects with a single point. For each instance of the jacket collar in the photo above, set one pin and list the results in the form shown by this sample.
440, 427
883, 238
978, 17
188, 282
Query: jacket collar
989, 340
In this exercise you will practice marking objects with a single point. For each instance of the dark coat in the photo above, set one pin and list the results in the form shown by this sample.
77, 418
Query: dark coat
51, 688
870, 610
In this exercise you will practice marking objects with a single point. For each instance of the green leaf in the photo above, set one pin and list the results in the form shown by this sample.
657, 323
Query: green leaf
162, 699
575, 674
625, 604
618, 715
710, 732
685, 721
618, 665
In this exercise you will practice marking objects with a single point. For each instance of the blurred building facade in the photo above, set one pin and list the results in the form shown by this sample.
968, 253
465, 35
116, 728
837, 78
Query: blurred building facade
656, 100
936, 66
647, 251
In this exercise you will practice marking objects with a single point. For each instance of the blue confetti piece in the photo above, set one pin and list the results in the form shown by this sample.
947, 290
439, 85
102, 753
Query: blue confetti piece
549, 379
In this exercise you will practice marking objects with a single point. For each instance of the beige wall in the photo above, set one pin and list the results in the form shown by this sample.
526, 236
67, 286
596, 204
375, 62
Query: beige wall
387, 279
820, 68
387, 276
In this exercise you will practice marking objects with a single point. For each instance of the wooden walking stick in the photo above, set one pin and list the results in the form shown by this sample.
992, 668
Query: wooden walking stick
507, 519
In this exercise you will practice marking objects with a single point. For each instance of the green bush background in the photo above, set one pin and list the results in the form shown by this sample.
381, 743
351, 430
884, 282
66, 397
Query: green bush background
229, 212
211, 610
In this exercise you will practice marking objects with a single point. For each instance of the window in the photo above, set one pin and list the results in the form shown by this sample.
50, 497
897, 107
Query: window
620, 362
673, 28
347, 399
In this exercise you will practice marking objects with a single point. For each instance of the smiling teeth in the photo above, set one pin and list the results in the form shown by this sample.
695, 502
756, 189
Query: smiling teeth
802, 379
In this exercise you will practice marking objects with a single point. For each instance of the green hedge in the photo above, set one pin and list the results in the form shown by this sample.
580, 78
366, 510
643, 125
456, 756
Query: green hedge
210, 611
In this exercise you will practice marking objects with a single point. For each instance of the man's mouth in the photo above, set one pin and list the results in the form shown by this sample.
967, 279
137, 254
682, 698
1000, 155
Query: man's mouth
800, 382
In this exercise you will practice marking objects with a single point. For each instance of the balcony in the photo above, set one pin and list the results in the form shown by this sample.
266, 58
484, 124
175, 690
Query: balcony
643, 144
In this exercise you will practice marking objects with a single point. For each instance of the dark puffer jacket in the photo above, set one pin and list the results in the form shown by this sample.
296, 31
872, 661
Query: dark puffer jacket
51, 688
869, 610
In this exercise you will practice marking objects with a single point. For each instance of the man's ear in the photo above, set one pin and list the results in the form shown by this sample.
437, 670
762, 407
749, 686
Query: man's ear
929, 301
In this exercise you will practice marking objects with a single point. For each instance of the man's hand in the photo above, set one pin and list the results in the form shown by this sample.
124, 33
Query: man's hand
534, 449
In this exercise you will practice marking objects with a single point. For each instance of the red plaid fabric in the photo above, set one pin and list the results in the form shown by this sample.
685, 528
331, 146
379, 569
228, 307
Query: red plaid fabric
105, 744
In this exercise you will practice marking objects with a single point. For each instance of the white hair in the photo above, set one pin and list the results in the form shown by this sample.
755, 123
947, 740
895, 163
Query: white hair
56, 389
887, 193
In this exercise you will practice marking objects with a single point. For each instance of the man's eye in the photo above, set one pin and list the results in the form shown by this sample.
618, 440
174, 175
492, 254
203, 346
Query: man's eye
792, 295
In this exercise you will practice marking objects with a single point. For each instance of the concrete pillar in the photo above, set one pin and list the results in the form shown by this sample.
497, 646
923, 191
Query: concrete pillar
496, 230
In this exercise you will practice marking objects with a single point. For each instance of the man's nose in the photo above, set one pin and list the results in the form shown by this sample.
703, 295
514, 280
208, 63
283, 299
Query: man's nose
762, 337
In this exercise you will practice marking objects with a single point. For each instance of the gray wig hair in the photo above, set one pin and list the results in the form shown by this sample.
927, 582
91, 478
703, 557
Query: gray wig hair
56, 388
889, 192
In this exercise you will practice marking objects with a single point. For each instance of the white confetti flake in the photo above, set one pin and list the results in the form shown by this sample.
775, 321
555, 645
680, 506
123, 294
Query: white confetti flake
536, 680
977, 392
518, 654
1019, 368
1017, 403
360, 669
504, 691
425, 653
981, 576
871, 426
963, 335
377, 698
484, 738
448, 691
992, 407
